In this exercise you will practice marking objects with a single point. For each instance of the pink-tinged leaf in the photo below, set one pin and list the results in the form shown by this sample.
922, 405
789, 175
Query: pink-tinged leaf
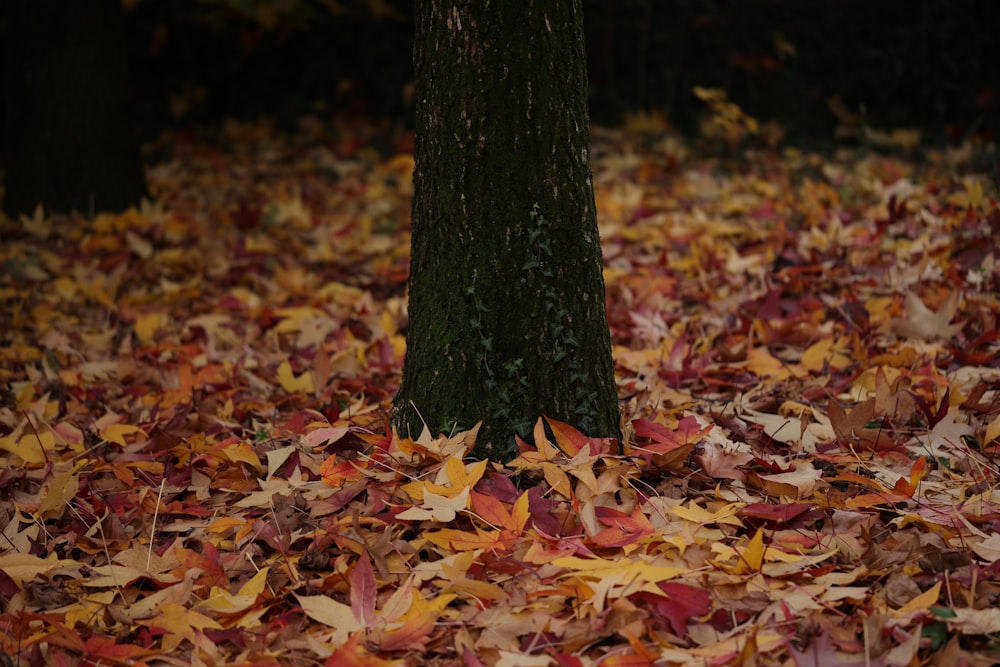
470, 658
363, 590
324, 435
821, 651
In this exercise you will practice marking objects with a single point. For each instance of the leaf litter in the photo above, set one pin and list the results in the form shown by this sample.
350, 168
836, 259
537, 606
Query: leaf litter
197, 467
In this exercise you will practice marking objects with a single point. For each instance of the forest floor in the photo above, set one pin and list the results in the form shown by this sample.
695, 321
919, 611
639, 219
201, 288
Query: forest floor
195, 464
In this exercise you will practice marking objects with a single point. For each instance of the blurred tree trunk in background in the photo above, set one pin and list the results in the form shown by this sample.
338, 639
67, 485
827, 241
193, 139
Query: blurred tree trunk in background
507, 302
68, 136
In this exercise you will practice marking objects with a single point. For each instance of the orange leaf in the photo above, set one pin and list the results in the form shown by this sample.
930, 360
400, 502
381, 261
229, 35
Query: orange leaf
410, 636
352, 654
570, 440
463, 540
520, 513
491, 510
631, 660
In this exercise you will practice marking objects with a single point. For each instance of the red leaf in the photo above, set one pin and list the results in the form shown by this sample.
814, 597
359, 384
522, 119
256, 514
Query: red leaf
688, 431
786, 513
682, 602
623, 529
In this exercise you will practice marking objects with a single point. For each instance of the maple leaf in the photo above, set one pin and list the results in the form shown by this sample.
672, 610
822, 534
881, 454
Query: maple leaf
221, 601
197, 412
798, 483
97, 648
722, 464
622, 529
669, 447
858, 427
433, 507
922, 323
334, 614
177, 623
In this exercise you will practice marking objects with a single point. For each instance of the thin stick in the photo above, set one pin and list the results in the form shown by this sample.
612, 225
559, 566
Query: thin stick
152, 530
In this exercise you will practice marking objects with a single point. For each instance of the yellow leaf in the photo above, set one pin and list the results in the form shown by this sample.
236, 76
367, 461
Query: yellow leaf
433, 606
762, 363
25, 567
992, 431
557, 479
255, 586
463, 540
455, 477
65, 288
476, 589
30, 447
879, 309
147, 325
519, 514
57, 495
116, 433
752, 557
600, 568
179, 623
697, 514
222, 601
293, 318
89, 607
292, 384
225, 523
828, 351
922, 602
242, 452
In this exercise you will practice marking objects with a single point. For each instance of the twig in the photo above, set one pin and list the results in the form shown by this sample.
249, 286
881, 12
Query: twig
152, 530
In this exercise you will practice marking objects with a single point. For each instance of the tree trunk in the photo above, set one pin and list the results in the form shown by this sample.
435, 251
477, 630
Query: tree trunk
507, 304
69, 143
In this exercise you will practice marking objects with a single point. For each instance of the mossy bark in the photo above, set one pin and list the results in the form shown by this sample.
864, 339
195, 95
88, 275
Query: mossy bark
507, 303
68, 136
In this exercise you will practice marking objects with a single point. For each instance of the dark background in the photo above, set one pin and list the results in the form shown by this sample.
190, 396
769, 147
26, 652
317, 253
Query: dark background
931, 64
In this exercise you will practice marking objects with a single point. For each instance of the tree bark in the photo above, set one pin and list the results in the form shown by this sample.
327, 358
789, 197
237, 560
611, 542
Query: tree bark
69, 142
506, 292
